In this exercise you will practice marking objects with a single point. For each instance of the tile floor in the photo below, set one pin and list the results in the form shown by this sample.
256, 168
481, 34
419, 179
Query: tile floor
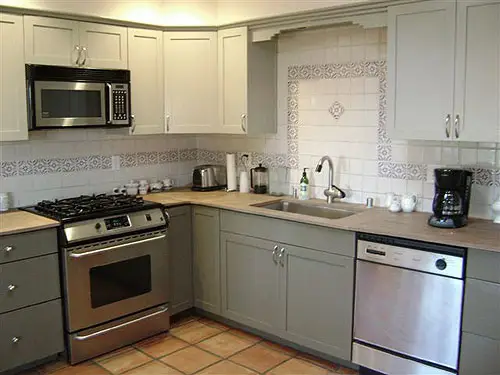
197, 345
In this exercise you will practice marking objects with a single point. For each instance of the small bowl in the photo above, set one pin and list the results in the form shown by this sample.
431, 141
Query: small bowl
156, 185
132, 190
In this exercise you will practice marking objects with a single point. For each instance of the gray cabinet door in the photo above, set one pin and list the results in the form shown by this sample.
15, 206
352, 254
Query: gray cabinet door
479, 355
181, 259
27, 245
206, 259
319, 291
250, 282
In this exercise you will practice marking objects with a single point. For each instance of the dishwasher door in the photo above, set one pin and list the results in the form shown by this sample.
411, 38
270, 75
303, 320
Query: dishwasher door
413, 313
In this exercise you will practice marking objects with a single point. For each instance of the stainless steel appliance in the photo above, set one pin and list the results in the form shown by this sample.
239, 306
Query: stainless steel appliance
62, 97
408, 306
114, 259
209, 177
451, 198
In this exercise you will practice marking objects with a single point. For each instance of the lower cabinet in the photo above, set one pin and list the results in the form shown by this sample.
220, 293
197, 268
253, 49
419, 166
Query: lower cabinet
206, 259
479, 355
181, 259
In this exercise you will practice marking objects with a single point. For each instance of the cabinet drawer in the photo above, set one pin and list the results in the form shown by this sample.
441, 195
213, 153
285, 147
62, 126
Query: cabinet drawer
38, 331
482, 308
27, 245
289, 232
29, 282
479, 355
483, 265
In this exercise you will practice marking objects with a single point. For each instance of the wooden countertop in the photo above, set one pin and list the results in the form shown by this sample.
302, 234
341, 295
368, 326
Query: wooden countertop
479, 234
20, 221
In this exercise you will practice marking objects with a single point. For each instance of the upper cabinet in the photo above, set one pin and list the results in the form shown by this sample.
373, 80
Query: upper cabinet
247, 83
53, 41
190, 82
13, 118
443, 78
145, 49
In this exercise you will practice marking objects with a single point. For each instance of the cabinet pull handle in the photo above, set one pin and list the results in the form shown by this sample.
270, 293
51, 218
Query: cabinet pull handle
11, 287
447, 128
243, 123
282, 257
275, 252
84, 51
457, 126
167, 123
15, 339
8, 248
132, 117
77, 49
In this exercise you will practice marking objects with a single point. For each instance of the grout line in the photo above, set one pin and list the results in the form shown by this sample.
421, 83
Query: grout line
102, 367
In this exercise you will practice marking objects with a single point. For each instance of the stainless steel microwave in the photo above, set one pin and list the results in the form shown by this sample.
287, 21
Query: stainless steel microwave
61, 97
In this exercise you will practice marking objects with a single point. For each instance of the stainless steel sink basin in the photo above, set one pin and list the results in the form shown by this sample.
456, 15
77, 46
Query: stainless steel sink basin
310, 209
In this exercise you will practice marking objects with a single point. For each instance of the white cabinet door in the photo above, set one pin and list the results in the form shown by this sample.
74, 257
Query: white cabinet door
477, 83
191, 82
233, 80
145, 49
13, 120
50, 41
421, 55
103, 46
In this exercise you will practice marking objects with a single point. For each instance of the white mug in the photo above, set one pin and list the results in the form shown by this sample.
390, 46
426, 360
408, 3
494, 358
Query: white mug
409, 202
4, 201
168, 182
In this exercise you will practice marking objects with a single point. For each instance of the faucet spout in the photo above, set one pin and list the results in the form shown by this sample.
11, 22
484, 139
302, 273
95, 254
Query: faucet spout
332, 191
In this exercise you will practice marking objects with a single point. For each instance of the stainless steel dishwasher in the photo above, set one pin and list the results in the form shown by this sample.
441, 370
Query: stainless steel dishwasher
408, 306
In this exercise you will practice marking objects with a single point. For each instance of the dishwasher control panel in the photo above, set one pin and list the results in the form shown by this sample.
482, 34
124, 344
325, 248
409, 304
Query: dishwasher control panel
414, 259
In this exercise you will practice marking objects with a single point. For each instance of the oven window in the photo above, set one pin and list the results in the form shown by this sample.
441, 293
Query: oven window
71, 103
121, 280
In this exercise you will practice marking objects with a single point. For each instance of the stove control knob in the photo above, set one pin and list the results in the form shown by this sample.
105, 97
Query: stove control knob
98, 226
441, 264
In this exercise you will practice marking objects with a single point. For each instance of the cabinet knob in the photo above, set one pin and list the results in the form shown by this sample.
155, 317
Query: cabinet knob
15, 339
8, 248
11, 287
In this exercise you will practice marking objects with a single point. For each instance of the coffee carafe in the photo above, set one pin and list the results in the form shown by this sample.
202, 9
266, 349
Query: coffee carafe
451, 198
259, 179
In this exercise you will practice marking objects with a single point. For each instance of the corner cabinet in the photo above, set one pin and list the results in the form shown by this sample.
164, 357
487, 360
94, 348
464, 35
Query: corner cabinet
52, 41
190, 82
444, 70
246, 83
13, 113
145, 48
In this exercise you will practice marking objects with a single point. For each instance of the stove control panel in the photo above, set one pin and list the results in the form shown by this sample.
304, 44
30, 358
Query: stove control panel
117, 222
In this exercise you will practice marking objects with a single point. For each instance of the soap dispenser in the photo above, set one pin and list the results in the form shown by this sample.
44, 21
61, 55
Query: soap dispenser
304, 186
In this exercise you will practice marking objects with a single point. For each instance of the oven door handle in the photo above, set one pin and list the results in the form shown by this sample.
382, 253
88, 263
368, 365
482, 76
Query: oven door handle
104, 331
106, 249
109, 114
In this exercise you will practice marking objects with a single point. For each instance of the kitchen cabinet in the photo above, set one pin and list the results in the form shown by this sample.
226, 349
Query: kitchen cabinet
13, 112
181, 259
443, 70
250, 280
145, 49
53, 41
206, 259
246, 83
191, 82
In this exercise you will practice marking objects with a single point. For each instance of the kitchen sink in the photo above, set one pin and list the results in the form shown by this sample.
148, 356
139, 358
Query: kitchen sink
310, 209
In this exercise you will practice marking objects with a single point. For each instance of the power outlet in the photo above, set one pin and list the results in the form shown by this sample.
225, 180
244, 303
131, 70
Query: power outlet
115, 162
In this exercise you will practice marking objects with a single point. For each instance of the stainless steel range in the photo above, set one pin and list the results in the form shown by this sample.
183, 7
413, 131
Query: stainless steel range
114, 259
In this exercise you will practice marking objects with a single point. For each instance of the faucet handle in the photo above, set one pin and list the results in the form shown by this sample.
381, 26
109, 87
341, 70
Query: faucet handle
295, 192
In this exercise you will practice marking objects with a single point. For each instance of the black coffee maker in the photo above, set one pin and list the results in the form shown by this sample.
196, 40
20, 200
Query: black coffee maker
451, 198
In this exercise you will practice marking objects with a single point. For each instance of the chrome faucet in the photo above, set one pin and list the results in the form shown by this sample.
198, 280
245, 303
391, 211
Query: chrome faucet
333, 191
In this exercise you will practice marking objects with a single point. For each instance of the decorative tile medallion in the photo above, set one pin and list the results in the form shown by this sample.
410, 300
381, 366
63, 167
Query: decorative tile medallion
336, 110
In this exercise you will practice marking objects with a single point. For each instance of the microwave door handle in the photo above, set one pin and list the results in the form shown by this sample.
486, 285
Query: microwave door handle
110, 103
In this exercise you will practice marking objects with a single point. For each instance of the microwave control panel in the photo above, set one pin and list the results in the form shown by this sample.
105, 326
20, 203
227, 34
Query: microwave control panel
120, 101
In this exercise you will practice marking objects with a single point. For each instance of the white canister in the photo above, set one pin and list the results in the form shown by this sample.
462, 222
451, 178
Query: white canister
495, 207
4, 201
244, 182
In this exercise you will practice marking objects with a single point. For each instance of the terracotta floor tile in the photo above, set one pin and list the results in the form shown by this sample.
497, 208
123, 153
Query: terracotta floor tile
161, 345
245, 335
226, 368
296, 366
85, 368
184, 320
225, 344
318, 361
51, 367
124, 361
190, 360
153, 368
259, 358
280, 348
194, 332
112, 354
215, 324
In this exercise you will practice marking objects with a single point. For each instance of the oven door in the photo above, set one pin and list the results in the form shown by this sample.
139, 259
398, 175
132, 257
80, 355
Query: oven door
66, 104
109, 281
406, 312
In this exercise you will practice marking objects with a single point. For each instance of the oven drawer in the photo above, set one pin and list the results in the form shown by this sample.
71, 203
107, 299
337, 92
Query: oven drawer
29, 282
27, 245
30, 334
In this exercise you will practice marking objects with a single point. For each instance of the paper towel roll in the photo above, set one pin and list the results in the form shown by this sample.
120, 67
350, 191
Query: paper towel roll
231, 172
